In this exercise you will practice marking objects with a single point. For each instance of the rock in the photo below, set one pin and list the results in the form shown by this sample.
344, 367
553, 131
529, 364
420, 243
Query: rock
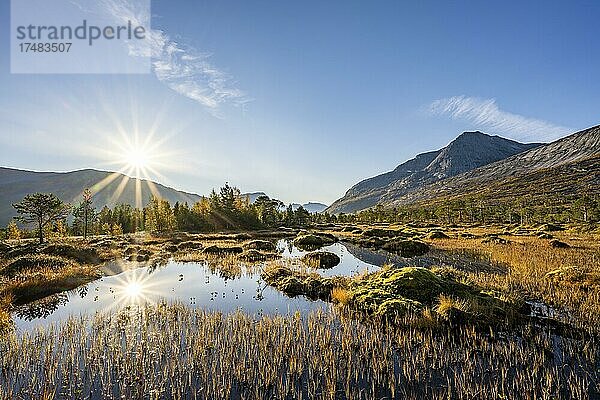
264, 245
406, 248
557, 244
321, 259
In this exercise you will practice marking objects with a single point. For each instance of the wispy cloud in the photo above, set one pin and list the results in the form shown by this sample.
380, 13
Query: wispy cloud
182, 68
485, 114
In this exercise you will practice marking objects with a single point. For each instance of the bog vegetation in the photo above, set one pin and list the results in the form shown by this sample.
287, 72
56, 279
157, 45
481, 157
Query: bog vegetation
521, 321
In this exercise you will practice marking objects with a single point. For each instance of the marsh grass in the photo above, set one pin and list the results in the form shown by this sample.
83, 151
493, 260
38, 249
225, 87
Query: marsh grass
565, 278
173, 352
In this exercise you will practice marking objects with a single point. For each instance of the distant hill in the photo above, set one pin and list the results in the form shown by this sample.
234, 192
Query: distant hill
565, 166
109, 188
253, 196
311, 207
467, 152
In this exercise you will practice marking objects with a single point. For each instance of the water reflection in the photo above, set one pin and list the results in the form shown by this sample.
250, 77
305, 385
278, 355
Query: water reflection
208, 286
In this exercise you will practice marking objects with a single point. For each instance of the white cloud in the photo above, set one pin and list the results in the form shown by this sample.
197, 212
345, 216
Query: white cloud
180, 67
485, 114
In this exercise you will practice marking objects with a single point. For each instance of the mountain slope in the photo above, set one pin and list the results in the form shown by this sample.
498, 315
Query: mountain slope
311, 207
108, 188
468, 151
545, 160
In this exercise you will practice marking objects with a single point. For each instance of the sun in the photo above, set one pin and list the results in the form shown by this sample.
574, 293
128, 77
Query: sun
133, 290
137, 159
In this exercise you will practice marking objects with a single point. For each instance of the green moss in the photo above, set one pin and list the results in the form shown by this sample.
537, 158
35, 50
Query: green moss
396, 307
394, 291
295, 283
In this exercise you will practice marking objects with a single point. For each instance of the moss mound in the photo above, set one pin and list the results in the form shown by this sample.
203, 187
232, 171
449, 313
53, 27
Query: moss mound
214, 249
437, 235
321, 259
380, 232
83, 255
32, 262
190, 245
311, 241
557, 244
551, 228
295, 283
396, 291
406, 248
263, 245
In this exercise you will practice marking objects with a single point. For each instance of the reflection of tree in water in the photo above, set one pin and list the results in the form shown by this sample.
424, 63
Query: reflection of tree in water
42, 308
82, 291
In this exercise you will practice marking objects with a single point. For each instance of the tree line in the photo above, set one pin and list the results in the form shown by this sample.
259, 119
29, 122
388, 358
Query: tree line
523, 210
223, 210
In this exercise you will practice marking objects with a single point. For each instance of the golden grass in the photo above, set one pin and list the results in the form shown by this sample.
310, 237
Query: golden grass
533, 272
341, 296
175, 352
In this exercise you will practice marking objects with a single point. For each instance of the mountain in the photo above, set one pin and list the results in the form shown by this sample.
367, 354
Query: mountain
311, 207
109, 188
253, 196
565, 166
468, 151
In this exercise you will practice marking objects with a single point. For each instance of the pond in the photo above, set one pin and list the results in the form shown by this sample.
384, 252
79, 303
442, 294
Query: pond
197, 285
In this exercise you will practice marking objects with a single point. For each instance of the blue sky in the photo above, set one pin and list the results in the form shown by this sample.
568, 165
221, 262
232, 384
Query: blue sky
304, 99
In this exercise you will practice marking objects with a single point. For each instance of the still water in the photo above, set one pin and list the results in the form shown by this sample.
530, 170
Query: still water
197, 285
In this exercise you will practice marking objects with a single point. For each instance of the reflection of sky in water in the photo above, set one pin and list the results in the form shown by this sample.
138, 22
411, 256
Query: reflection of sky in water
195, 285
189, 283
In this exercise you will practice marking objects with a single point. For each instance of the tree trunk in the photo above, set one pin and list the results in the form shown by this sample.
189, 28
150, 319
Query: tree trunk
41, 231
85, 225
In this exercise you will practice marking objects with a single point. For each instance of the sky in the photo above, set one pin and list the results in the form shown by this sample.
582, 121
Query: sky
302, 100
